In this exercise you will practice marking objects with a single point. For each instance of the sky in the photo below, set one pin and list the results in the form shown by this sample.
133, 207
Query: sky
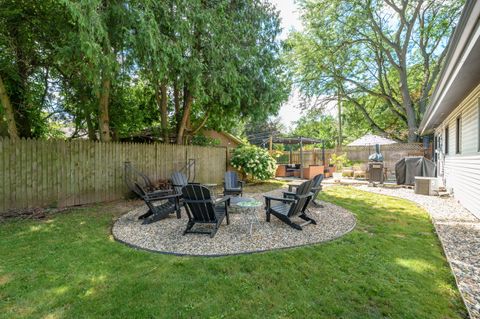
289, 113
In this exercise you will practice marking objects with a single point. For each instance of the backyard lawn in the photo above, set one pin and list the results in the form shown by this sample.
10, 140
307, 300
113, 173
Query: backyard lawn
68, 266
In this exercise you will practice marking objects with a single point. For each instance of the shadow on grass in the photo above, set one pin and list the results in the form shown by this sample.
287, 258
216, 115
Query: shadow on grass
390, 266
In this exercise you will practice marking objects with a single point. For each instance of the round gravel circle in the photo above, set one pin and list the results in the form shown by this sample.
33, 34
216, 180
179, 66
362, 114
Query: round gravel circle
166, 236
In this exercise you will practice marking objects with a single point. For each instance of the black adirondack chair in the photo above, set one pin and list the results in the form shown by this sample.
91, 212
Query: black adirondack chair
291, 205
170, 203
132, 176
179, 180
232, 184
142, 186
201, 209
316, 188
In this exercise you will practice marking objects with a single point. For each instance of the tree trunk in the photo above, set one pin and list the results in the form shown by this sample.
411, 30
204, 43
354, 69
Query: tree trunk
176, 102
162, 102
201, 125
9, 114
339, 105
412, 125
90, 129
188, 100
407, 101
103, 117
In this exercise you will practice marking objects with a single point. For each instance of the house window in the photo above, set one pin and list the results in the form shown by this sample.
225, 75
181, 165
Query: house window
458, 136
447, 137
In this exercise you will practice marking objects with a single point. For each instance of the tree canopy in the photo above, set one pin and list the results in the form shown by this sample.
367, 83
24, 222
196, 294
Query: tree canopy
382, 57
113, 67
317, 125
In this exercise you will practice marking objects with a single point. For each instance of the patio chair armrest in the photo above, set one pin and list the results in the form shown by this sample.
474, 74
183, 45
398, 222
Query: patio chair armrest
223, 199
280, 199
162, 197
289, 193
304, 196
160, 192
292, 186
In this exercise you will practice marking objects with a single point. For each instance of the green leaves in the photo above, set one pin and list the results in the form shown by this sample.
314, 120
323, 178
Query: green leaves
316, 125
383, 57
254, 162
224, 54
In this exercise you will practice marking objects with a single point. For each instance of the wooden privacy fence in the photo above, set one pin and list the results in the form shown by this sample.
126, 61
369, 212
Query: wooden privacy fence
392, 153
58, 173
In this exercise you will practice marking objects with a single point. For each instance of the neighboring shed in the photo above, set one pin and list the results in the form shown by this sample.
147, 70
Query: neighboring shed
226, 139
453, 115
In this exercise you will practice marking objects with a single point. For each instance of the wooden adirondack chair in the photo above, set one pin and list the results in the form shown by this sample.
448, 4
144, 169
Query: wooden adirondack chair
201, 209
291, 205
232, 185
170, 203
316, 188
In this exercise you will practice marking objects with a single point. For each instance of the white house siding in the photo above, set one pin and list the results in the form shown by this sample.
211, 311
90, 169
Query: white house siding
461, 172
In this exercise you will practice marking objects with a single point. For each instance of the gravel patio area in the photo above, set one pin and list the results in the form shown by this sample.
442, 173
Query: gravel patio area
459, 232
166, 235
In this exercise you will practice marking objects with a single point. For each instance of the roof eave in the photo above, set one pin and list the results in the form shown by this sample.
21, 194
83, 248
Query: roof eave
462, 50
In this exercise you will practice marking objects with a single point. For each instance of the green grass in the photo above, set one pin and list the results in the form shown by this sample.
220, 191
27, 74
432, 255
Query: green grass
263, 187
390, 266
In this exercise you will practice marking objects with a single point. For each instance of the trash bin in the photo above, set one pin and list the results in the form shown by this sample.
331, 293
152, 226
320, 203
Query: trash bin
375, 172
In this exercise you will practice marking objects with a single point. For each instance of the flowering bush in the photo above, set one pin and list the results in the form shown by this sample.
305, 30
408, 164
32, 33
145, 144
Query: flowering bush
254, 162
339, 160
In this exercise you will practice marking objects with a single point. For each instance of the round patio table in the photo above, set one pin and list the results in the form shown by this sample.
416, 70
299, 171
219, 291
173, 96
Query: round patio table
249, 206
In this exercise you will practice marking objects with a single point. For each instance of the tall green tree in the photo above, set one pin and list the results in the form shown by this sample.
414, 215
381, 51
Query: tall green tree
384, 52
29, 34
314, 124
99, 40
114, 66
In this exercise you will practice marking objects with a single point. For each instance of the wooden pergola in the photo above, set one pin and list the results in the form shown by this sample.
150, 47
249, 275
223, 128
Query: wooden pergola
301, 141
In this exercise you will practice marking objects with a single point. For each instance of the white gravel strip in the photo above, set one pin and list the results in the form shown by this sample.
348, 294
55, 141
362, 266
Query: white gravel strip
166, 235
459, 232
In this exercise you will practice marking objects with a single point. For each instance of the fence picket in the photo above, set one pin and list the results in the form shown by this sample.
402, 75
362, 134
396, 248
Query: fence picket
40, 173
392, 153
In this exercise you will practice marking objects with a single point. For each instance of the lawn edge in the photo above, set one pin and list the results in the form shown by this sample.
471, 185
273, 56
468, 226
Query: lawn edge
136, 247
439, 239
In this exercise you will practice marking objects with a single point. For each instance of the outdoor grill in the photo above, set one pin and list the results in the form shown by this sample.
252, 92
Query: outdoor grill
375, 166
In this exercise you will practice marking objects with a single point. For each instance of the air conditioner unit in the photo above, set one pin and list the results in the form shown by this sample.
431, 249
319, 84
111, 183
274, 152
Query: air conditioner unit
426, 185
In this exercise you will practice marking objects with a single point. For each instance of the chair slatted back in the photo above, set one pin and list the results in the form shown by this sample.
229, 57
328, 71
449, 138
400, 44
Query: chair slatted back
302, 196
178, 181
144, 195
231, 180
134, 179
199, 204
317, 181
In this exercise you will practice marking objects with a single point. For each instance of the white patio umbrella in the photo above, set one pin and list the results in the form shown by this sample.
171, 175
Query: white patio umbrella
370, 139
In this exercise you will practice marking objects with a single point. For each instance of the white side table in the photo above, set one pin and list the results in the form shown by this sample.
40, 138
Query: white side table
250, 208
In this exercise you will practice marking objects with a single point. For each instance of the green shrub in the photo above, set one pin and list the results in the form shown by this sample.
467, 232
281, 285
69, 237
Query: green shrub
254, 162
339, 160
